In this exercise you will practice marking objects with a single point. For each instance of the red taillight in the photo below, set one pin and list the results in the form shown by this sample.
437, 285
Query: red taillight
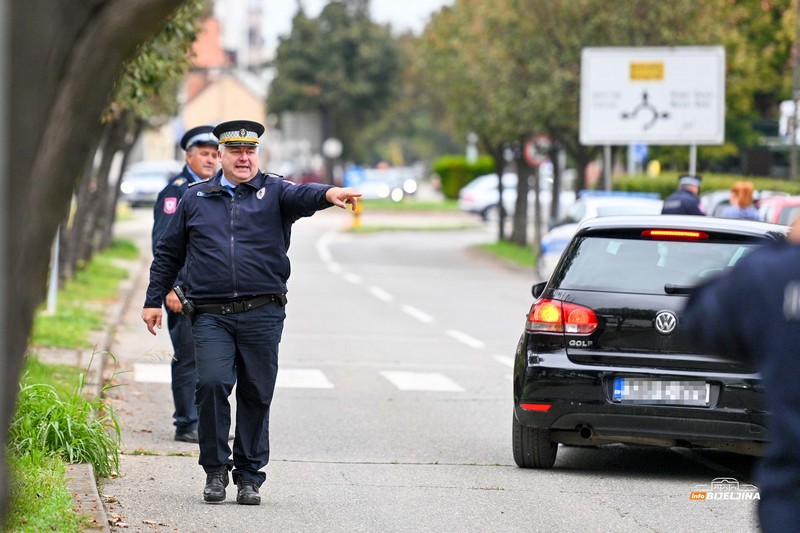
554, 316
675, 235
541, 407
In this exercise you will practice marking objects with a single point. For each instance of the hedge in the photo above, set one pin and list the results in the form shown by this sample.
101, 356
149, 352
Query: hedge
454, 172
666, 183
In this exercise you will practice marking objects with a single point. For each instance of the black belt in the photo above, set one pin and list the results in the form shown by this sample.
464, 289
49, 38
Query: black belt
239, 306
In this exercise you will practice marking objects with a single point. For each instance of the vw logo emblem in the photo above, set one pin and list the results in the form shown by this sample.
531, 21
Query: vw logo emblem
665, 322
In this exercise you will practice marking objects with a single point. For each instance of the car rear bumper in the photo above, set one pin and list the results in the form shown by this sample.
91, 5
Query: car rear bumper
582, 410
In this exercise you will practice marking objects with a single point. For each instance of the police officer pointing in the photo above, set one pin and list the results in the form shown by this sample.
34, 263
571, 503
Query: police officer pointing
200, 146
232, 233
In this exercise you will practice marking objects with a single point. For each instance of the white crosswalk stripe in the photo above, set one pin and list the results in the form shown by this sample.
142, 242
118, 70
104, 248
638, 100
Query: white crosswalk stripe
313, 378
302, 378
421, 381
152, 373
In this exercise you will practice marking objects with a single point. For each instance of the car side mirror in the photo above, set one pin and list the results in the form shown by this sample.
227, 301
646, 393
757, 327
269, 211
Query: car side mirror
538, 289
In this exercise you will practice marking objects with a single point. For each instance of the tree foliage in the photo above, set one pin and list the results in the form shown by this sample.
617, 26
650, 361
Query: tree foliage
341, 65
149, 84
145, 94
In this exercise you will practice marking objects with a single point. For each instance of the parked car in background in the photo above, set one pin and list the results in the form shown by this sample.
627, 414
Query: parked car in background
602, 358
142, 181
590, 206
779, 209
480, 196
394, 183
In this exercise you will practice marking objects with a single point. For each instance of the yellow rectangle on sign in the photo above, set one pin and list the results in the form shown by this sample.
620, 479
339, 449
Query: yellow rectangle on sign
647, 71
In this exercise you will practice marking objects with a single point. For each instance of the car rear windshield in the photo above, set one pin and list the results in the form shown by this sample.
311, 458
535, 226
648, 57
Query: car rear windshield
645, 266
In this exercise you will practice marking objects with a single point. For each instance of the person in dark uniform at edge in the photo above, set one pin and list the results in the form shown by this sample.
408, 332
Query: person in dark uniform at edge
763, 328
233, 232
684, 201
200, 146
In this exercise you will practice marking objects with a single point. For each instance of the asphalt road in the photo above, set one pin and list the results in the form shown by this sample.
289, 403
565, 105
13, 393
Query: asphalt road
393, 410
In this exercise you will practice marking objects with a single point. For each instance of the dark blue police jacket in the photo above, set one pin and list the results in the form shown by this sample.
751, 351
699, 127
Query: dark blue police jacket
681, 202
167, 203
753, 313
233, 247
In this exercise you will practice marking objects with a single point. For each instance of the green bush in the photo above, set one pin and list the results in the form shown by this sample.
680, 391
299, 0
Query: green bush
454, 172
66, 425
666, 183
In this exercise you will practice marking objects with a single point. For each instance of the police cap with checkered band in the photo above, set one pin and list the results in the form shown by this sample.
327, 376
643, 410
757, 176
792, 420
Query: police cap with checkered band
239, 133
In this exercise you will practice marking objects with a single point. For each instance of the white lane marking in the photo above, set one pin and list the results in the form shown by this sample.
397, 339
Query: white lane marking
463, 338
422, 316
322, 248
352, 278
336, 268
381, 294
421, 381
302, 378
152, 373
504, 360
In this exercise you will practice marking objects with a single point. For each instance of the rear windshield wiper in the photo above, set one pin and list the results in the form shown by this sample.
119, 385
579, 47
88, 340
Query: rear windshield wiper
669, 288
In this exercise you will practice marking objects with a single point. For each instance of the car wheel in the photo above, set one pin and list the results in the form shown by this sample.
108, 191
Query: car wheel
491, 214
533, 447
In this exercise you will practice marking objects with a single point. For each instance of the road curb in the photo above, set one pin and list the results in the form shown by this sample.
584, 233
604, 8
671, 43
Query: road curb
81, 479
82, 484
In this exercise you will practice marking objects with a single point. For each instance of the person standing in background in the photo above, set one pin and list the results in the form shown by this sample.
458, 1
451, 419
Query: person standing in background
741, 202
200, 146
684, 201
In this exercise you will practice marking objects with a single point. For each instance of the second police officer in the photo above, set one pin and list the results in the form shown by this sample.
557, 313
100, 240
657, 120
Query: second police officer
200, 146
232, 233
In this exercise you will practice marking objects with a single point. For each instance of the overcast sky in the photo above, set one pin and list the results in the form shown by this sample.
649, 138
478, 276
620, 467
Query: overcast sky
402, 15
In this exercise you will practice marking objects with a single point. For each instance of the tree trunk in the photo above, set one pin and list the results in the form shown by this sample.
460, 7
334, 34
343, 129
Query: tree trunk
53, 101
496, 151
519, 229
110, 212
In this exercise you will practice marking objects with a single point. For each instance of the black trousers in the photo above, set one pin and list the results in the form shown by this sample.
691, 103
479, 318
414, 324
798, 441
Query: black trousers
184, 377
241, 349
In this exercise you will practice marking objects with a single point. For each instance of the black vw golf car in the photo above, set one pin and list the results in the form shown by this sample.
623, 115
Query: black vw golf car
603, 358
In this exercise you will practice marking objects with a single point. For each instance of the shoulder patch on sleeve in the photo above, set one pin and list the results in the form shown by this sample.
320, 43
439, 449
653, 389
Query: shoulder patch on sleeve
179, 181
170, 205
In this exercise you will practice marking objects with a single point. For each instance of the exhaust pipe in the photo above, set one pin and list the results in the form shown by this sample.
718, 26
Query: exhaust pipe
585, 432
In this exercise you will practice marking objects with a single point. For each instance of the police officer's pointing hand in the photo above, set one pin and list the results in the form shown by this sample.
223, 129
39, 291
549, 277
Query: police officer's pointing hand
341, 196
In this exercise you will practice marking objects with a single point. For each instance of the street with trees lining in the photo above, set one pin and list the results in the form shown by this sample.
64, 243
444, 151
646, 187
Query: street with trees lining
502, 68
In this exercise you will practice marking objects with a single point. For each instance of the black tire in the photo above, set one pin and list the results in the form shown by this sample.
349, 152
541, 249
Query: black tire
533, 447
491, 214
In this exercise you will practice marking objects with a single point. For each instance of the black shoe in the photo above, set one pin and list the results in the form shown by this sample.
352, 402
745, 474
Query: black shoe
187, 436
248, 494
216, 482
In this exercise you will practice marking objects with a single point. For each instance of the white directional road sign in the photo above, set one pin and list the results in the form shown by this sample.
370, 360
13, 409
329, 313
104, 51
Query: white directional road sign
653, 95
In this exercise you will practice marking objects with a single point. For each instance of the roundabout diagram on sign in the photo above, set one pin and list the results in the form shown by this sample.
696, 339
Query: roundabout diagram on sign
647, 110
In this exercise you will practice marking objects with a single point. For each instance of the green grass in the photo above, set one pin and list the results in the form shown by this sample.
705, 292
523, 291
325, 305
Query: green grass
53, 420
375, 228
510, 252
56, 422
64, 378
82, 302
40, 500
411, 205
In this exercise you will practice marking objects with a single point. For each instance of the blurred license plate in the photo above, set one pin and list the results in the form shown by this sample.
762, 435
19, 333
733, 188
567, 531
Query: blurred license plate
661, 392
